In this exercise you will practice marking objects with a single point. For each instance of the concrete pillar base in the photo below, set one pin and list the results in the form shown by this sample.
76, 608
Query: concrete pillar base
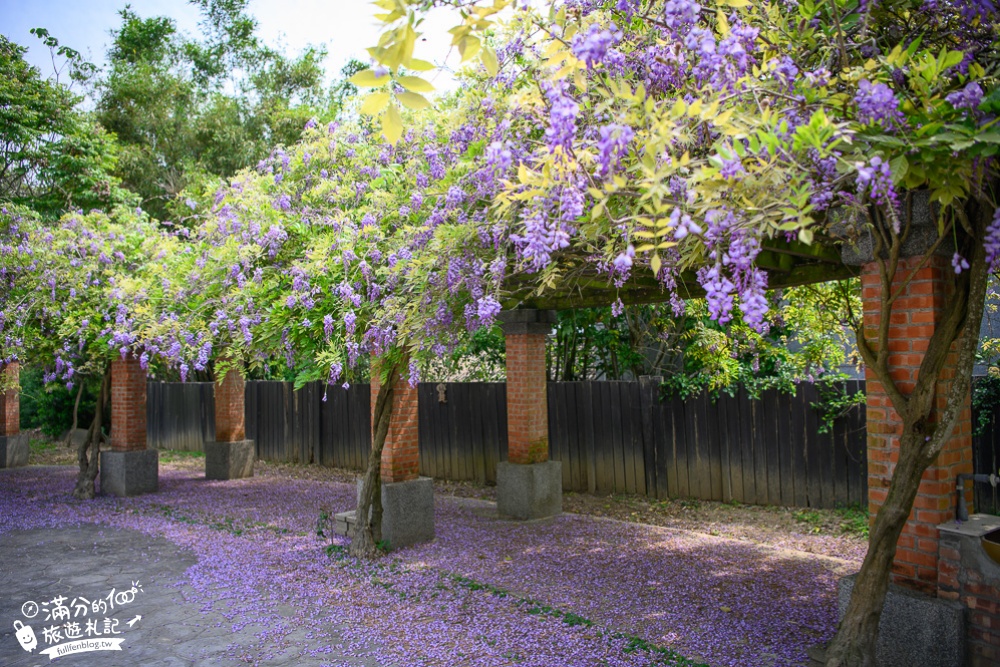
229, 460
915, 629
529, 491
130, 473
13, 450
407, 513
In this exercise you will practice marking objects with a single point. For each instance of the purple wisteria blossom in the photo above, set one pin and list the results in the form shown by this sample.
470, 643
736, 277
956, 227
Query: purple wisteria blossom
612, 144
969, 97
877, 104
592, 45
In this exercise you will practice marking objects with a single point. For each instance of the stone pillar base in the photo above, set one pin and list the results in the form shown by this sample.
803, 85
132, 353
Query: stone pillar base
13, 450
915, 629
130, 473
229, 460
529, 491
407, 513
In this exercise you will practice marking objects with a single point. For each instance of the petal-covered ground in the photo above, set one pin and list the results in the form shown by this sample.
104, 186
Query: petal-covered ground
574, 590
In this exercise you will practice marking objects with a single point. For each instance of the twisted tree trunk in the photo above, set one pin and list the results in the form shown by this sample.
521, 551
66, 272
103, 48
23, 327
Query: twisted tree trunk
76, 413
368, 519
89, 466
924, 432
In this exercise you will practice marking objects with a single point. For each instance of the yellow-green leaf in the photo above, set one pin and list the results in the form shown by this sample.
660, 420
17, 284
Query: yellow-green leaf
415, 84
655, 264
392, 124
418, 65
367, 78
414, 101
468, 47
489, 58
375, 103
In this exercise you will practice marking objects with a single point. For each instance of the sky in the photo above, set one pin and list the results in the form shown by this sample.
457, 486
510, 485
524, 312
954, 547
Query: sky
345, 27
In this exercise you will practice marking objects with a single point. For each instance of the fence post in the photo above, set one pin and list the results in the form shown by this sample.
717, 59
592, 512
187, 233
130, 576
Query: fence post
129, 468
13, 443
529, 485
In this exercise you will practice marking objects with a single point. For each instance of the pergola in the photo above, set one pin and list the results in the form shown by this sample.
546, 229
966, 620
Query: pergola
529, 484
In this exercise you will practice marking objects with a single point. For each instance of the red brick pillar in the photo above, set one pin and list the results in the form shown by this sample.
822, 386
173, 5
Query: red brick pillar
10, 401
230, 415
13, 444
913, 319
526, 332
401, 455
128, 405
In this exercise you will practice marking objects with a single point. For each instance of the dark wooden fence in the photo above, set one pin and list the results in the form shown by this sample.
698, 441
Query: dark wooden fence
180, 416
612, 437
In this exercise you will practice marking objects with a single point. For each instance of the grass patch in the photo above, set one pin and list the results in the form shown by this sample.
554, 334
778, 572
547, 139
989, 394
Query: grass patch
854, 520
850, 520
171, 455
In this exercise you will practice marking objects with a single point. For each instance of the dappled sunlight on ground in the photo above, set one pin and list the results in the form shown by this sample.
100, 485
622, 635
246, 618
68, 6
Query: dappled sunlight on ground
570, 590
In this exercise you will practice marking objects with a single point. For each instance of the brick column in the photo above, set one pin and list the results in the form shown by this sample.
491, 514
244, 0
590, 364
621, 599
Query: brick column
526, 332
407, 498
13, 444
401, 455
529, 486
230, 408
129, 468
231, 455
10, 402
128, 405
913, 319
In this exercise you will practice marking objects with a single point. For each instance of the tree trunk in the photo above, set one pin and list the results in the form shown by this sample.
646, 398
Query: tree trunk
88, 468
76, 414
924, 434
854, 645
368, 524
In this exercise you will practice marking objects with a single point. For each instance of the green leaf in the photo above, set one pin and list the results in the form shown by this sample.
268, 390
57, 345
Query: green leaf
415, 84
392, 124
468, 47
899, 166
489, 58
366, 78
418, 65
375, 103
414, 101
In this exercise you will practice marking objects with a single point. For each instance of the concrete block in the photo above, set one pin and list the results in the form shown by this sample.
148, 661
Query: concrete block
229, 460
407, 512
130, 473
858, 246
529, 491
915, 629
13, 450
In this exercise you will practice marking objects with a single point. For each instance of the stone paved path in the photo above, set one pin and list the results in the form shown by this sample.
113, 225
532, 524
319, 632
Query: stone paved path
91, 560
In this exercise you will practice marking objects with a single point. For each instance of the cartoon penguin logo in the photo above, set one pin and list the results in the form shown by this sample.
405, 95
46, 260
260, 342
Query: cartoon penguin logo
25, 636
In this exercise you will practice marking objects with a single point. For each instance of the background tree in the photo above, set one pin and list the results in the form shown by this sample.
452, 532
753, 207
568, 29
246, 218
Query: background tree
189, 109
53, 156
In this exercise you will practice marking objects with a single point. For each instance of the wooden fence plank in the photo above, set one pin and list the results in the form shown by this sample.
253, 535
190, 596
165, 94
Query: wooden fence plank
645, 405
798, 441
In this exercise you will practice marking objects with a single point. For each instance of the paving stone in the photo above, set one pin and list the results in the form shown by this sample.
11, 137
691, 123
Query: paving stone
90, 560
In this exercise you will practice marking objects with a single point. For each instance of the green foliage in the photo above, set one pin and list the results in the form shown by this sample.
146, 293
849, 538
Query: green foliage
985, 400
53, 157
834, 401
186, 110
50, 408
